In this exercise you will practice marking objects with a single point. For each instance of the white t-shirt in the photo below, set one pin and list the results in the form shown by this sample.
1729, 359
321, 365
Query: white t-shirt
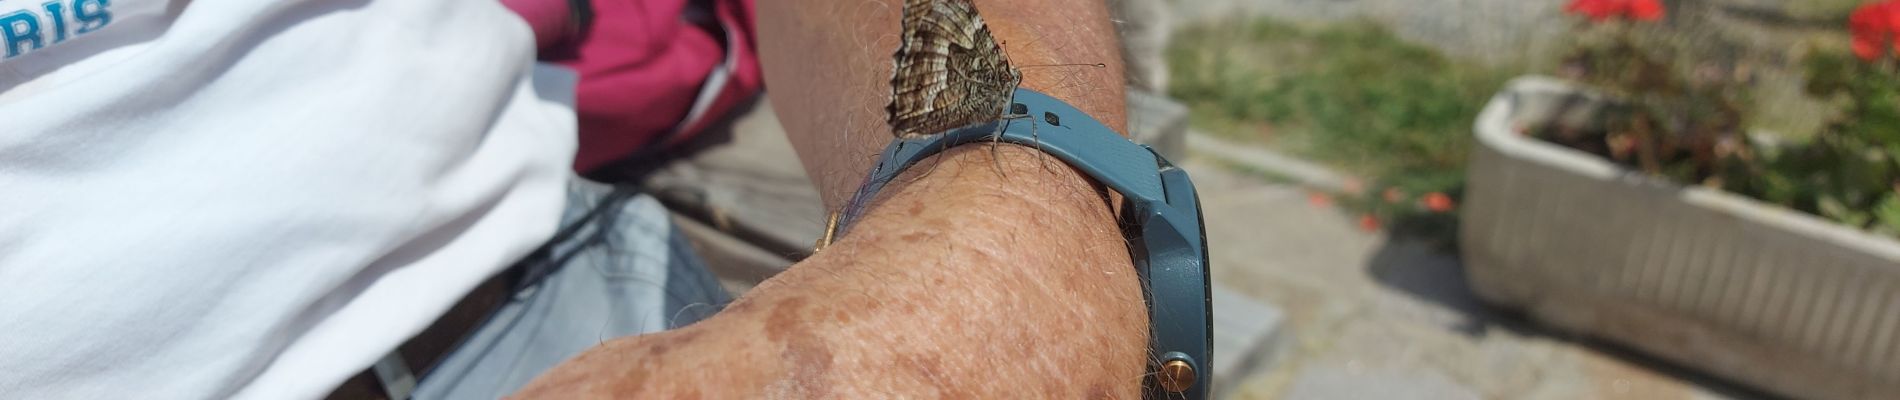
258, 198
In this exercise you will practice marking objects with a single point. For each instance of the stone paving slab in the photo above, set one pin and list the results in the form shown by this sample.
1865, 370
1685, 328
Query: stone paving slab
1357, 383
1248, 335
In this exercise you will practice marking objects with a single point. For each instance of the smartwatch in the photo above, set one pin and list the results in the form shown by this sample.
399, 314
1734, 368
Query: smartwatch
1161, 221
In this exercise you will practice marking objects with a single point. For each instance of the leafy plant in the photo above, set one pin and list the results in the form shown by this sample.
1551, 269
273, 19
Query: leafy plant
1685, 123
1849, 171
1678, 115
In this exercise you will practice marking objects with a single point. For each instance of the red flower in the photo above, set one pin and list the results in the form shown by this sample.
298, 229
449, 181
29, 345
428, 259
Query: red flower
1873, 26
1437, 202
1644, 10
1319, 199
1601, 10
1368, 223
1597, 10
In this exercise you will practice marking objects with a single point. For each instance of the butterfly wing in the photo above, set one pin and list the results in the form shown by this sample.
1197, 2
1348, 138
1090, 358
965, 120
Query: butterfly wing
949, 72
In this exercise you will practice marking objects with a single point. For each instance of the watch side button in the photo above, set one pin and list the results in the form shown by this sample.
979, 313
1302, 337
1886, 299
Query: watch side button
1176, 376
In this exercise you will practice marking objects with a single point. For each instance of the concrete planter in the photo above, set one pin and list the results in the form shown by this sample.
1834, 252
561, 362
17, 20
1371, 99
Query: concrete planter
1753, 292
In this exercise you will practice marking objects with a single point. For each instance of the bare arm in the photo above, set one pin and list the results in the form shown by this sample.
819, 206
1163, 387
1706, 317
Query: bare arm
828, 67
963, 282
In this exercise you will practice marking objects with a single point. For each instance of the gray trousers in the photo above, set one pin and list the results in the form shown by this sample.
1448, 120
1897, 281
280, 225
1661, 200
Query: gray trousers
623, 271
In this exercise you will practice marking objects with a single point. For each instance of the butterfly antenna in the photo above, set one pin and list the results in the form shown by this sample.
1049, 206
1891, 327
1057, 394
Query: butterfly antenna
1096, 65
1005, 45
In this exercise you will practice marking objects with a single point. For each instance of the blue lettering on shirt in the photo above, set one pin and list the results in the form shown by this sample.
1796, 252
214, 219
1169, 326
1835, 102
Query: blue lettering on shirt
23, 31
58, 12
91, 14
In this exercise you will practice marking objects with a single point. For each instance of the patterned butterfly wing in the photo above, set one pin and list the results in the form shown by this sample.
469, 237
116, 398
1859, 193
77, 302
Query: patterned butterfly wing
950, 72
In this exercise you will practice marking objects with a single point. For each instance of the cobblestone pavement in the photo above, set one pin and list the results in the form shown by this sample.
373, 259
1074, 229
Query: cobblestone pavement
1372, 318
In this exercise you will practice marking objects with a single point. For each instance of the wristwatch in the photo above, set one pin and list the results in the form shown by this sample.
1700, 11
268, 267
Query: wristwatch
1161, 221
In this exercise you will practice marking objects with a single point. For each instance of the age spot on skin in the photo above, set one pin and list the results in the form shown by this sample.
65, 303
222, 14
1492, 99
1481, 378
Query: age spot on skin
810, 361
840, 316
632, 381
784, 321
806, 354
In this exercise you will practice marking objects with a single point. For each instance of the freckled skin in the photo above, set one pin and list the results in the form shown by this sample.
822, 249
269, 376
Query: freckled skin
634, 381
841, 316
811, 367
1046, 327
785, 320
929, 368
808, 356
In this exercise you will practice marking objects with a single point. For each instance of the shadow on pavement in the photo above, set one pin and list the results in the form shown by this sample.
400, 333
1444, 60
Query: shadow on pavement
1426, 271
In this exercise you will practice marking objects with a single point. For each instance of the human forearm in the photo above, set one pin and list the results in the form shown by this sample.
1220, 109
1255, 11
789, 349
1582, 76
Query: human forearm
1029, 293
970, 277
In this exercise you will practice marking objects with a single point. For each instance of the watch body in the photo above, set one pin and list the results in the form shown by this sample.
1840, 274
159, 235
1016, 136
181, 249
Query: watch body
1161, 220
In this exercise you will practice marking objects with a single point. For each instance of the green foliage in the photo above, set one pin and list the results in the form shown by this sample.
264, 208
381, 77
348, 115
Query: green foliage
1392, 106
1848, 172
1353, 95
1832, 12
1684, 123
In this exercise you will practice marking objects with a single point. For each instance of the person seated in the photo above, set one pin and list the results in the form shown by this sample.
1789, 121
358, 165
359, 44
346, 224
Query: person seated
308, 198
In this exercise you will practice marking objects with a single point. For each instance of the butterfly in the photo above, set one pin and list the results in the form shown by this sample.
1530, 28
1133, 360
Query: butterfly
949, 71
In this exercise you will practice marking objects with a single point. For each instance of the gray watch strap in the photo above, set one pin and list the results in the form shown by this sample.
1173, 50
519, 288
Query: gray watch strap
1162, 216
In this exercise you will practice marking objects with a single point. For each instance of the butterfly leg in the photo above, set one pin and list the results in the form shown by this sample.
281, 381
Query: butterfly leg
934, 162
996, 140
1034, 136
